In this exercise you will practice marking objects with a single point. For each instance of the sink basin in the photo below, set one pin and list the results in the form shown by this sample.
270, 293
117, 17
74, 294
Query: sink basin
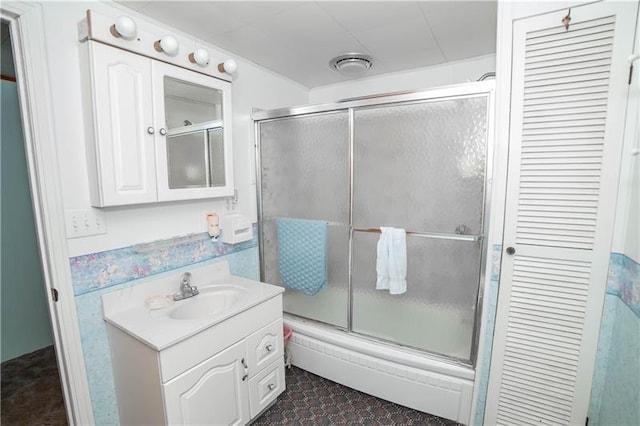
211, 301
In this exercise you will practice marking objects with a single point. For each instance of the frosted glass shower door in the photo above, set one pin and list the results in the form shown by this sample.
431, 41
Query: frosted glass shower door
421, 167
304, 163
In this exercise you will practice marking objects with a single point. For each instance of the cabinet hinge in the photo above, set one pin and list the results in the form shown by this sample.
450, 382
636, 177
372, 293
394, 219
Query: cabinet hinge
630, 74
54, 294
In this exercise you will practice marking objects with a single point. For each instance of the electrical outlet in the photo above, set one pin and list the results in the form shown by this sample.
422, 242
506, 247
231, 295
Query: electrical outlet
82, 223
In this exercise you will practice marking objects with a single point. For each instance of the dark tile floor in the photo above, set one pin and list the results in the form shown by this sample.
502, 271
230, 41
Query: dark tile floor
31, 391
313, 400
31, 395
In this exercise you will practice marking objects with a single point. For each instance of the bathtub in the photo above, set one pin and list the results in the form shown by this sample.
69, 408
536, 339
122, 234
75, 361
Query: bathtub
420, 381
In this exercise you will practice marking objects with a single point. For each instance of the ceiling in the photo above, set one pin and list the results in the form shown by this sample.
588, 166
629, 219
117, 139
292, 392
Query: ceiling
297, 39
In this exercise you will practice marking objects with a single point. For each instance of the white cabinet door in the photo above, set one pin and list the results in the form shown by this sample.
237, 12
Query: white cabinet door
568, 94
214, 392
123, 170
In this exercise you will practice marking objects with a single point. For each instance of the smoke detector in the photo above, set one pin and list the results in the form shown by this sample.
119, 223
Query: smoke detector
352, 64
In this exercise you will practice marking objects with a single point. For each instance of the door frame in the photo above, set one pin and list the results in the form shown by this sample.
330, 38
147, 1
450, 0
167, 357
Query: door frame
26, 22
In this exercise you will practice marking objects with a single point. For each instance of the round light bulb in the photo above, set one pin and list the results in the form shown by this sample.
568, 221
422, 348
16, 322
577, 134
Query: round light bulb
230, 66
125, 27
169, 45
200, 57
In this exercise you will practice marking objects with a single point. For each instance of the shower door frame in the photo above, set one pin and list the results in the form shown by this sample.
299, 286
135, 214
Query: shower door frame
467, 90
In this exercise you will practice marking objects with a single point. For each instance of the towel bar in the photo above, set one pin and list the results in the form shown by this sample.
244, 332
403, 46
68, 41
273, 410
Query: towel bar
329, 223
457, 237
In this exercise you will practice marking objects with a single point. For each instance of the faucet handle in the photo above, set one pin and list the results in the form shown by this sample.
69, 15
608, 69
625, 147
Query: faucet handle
186, 278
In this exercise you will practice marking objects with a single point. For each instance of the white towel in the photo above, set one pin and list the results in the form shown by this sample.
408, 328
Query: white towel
382, 260
398, 262
391, 263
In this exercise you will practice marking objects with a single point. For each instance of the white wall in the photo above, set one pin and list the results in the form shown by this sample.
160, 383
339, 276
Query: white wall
422, 78
252, 87
626, 238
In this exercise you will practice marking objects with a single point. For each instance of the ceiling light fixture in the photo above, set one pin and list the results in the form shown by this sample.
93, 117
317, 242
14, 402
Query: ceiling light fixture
352, 64
124, 27
167, 44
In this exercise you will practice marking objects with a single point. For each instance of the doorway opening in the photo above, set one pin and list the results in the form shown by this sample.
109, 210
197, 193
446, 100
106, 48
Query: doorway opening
31, 388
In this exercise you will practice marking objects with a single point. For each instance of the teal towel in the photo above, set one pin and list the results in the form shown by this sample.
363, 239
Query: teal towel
302, 254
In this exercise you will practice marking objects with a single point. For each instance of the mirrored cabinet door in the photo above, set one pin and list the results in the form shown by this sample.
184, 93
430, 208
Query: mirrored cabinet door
188, 105
194, 152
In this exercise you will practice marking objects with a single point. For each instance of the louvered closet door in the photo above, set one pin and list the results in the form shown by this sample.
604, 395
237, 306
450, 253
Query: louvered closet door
567, 113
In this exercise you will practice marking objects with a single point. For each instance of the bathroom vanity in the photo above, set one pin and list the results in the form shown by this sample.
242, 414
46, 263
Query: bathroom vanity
215, 358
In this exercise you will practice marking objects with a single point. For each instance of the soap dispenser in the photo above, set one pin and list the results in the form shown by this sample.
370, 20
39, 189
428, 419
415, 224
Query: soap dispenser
213, 226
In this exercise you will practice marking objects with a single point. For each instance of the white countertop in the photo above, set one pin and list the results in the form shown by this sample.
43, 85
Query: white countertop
126, 309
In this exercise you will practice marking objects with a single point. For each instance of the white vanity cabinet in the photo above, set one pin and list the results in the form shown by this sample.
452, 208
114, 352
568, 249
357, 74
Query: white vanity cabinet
226, 374
156, 132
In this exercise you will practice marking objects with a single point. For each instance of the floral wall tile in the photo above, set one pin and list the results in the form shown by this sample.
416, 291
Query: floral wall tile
101, 270
624, 280
491, 301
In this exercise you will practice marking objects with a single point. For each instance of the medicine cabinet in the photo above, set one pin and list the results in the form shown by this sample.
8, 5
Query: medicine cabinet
158, 132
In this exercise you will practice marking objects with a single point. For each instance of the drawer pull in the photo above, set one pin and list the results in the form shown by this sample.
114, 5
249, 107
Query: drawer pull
245, 377
269, 348
271, 386
244, 363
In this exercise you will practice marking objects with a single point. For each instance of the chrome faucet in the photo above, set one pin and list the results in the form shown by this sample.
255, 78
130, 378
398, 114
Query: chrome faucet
186, 289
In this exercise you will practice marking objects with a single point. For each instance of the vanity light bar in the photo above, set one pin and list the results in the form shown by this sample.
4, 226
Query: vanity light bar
143, 39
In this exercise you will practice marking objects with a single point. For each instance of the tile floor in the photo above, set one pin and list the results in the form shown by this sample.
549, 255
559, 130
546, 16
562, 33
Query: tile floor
31, 391
31, 395
313, 400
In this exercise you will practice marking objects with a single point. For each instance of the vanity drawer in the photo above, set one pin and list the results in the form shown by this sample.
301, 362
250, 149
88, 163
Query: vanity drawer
265, 387
264, 347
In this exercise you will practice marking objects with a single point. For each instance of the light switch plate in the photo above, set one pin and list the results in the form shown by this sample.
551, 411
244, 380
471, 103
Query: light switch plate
83, 223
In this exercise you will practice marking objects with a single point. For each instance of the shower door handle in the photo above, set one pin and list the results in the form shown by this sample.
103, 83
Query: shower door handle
511, 251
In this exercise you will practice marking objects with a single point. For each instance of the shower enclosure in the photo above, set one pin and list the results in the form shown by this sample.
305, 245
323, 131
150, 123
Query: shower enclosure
417, 161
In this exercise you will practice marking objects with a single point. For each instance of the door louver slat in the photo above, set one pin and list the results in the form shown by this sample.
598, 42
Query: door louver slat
574, 100
577, 28
576, 64
559, 90
569, 54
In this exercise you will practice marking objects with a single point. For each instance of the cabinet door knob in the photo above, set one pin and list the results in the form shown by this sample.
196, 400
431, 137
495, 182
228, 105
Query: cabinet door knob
269, 348
271, 386
150, 130
163, 132
511, 251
